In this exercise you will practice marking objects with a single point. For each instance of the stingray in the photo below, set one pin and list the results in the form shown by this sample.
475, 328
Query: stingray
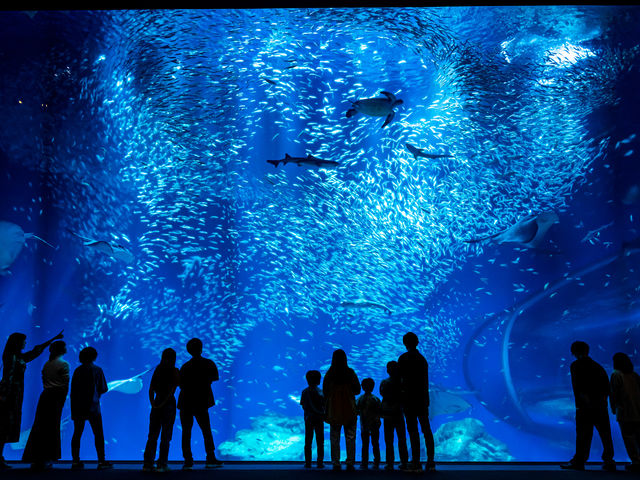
12, 239
528, 232
130, 386
444, 402
112, 249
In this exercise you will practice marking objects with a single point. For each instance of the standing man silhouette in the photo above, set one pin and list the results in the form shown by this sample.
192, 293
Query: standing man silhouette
194, 401
414, 373
591, 389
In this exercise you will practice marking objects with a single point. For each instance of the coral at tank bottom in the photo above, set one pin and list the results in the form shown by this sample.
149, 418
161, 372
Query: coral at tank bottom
271, 437
467, 440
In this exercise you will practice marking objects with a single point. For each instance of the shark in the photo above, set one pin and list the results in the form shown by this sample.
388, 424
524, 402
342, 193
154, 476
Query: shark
308, 160
362, 303
419, 152
12, 239
112, 249
528, 232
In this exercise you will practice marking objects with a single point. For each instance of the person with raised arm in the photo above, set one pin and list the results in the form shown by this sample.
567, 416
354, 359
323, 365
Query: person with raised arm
14, 364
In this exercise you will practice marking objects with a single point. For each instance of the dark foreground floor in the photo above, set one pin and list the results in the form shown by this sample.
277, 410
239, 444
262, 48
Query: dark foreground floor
294, 471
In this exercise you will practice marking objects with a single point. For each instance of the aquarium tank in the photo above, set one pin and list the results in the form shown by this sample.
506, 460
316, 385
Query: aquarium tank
281, 183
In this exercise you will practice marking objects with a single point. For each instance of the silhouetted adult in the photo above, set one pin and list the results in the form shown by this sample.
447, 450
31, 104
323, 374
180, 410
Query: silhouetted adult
414, 372
14, 363
194, 401
162, 389
340, 387
43, 445
625, 404
87, 385
591, 389
391, 409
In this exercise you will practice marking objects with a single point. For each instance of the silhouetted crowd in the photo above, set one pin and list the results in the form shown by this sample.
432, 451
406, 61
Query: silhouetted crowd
404, 405
405, 397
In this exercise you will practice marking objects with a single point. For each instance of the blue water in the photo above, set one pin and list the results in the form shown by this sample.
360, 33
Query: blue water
151, 130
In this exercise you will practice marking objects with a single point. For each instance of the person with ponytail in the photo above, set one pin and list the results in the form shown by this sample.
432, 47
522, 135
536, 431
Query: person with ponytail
340, 387
14, 364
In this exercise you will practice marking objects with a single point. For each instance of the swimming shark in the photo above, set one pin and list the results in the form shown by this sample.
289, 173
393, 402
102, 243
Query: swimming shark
528, 232
419, 152
112, 249
361, 303
12, 239
308, 160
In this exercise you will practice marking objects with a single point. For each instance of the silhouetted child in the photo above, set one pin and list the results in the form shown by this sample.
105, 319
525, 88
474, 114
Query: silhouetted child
368, 407
194, 401
87, 385
591, 389
312, 401
162, 388
391, 412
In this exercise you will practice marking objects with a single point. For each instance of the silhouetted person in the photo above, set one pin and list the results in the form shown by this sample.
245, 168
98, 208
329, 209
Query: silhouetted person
43, 445
162, 389
194, 401
340, 387
14, 363
87, 385
625, 404
414, 372
312, 401
591, 389
391, 411
368, 407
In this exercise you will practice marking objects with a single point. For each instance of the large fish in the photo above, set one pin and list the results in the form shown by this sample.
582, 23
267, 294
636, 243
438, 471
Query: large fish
112, 249
12, 239
444, 402
376, 107
129, 386
361, 303
528, 232
419, 152
308, 160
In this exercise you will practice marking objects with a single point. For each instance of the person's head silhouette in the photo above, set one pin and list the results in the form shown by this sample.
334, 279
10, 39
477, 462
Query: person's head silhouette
368, 384
410, 341
622, 363
15, 344
88, 355
313, 378
339, 359
57, 349
168, 358
392, 369
580, 349
194, 347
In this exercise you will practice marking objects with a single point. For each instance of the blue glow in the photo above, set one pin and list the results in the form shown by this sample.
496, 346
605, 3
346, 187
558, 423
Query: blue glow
510, 119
